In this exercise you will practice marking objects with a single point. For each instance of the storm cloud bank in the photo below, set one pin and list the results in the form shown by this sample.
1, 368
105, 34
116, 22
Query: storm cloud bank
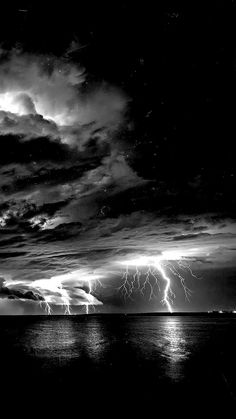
79, 195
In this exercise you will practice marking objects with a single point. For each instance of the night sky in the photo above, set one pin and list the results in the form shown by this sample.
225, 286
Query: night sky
117, 126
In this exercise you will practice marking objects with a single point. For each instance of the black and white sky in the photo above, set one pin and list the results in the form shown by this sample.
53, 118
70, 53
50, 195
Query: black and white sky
117, 131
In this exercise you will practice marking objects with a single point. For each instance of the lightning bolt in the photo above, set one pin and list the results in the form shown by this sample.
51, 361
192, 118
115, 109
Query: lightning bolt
66, 300
126, 288
157, 267
56, 291
93, 285
46, 306
55, 285
168, 293
89, 292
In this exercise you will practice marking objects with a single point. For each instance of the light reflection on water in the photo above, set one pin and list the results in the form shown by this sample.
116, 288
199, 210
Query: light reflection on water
167, 359
65, 339
174, 342
166, 342
57, 336
174, 348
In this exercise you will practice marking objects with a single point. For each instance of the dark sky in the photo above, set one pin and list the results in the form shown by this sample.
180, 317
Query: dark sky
117, 125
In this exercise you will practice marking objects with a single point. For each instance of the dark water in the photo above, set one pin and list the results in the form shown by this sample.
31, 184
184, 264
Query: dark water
154, 363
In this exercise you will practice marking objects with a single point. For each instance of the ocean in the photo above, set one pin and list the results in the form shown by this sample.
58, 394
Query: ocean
135, 362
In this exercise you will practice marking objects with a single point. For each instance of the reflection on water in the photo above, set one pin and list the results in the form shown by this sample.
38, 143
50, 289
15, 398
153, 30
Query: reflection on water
142, 357
166, 345
65, 339
52, 337
174, 340
174, 347
94, 341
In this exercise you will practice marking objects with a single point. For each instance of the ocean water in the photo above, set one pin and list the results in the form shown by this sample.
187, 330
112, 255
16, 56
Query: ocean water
140, 362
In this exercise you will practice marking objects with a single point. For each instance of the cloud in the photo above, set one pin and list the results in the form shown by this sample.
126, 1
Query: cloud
46, 96
24, 104
14, 293
70, 289
74, 255
27, 126
190, 236
60, 142
96, 244
72, 205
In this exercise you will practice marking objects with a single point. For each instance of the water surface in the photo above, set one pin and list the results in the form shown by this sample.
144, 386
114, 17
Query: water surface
139, 360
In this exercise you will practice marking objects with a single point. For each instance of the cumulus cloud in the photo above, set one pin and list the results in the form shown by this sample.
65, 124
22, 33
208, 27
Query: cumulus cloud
45, 95
60, 140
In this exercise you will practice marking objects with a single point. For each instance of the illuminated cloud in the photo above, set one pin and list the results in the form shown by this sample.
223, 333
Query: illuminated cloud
44, 95
84, 262
13, 292
68, 290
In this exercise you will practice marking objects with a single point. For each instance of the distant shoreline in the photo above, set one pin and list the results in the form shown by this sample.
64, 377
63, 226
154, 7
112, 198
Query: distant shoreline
158, 314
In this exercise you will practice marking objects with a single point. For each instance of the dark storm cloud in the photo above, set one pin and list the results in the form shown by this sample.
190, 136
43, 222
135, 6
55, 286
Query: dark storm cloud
60, 142
10, 255
61, 232
61, 156
10, 241
84, 187
15, 151
27, 126
190, 236
98, 243
14, 293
